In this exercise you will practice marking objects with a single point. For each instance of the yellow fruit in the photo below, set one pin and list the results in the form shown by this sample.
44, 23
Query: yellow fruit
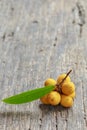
66, 101
54, 98
72, 95
50, 81
68, 88
61, 77
44, 99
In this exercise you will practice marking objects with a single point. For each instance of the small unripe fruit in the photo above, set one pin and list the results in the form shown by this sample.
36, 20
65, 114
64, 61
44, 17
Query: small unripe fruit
72, 95
68, 88
50, 81
44, 99
54, 98
61, 77
66, 101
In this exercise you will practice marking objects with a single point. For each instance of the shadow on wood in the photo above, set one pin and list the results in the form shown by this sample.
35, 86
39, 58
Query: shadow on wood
46, 108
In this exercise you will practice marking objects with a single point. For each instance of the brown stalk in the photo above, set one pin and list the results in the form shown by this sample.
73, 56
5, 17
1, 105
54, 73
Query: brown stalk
58, 86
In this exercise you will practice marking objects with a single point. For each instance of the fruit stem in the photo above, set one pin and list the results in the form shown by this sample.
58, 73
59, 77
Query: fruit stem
58, 86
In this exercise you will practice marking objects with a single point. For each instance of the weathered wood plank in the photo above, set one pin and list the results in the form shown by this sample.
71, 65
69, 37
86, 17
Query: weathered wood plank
41, 39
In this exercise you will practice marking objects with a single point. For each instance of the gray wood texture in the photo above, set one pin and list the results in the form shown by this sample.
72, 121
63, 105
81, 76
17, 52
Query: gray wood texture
41, 39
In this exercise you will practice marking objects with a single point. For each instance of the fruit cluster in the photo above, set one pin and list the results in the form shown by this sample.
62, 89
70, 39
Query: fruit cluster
64, 96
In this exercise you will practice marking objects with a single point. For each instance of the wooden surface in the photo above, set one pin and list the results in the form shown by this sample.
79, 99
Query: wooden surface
41, 39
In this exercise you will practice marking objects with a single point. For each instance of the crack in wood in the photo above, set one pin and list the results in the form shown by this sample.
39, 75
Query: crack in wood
11, 34
40, 122
85, 118
12, 9
7, 35
81, 17
56, 121
55, 38
54, 44
35, 21
66, 119
81, 14
4, 36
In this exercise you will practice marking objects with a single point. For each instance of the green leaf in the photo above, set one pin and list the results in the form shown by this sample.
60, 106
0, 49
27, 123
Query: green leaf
28, 96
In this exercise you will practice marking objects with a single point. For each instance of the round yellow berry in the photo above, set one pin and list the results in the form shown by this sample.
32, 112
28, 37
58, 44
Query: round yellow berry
54, 98
50, 81
44, 99
61, 77
66, 101
72, 95
68, 88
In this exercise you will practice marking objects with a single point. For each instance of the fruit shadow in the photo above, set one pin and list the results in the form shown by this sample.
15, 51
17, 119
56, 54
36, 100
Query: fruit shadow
49, 108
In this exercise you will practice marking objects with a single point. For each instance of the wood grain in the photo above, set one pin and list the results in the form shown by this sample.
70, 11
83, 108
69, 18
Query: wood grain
41, 39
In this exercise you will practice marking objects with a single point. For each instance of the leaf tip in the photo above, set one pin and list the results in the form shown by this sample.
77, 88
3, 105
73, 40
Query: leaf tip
3, 100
